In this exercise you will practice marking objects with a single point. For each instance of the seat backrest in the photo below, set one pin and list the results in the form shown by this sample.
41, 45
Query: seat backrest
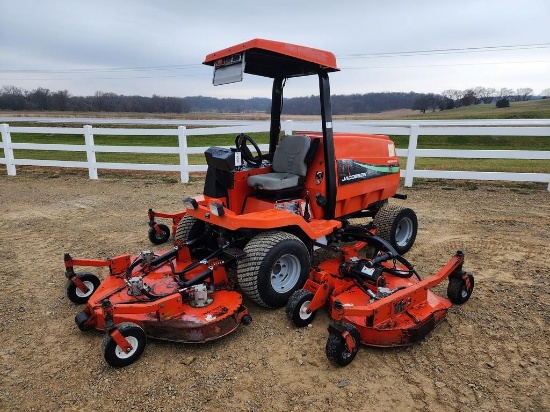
290, 154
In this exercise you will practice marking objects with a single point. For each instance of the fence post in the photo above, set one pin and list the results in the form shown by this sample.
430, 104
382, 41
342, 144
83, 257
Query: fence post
184, 161
90, 152
288, 127
411, 155
8, 151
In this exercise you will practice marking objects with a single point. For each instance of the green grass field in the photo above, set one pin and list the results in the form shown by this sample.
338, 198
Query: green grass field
520, 110
535, 109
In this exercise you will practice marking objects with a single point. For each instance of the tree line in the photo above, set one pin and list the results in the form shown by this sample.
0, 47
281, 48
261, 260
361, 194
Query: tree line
42, 99
452, 98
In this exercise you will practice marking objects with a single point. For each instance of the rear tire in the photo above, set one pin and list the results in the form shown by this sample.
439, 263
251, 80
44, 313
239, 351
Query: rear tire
159, 239
276, 264
398, 225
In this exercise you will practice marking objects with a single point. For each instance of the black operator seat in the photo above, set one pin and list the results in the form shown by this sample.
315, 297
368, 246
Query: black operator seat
289, 165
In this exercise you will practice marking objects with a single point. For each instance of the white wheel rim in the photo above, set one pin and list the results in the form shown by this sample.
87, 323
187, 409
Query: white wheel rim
121, 354
304, 315
403, 231
285, 273
90, 287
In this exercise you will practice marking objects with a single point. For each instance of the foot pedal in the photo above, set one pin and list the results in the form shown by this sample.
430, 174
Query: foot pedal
234, 253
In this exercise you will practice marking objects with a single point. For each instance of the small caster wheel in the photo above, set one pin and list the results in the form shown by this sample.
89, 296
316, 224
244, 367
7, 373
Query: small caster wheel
337, 350
460, 288
81, 319
159, 238
75, 295
117, 356
296, 308
246, 320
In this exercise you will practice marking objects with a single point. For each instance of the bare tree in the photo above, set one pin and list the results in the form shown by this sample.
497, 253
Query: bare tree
545, 93
469, 97
485, 94
40, 98
60, 100
421, 103
106, 102
505, 93
454, 95
524, 94
12, 98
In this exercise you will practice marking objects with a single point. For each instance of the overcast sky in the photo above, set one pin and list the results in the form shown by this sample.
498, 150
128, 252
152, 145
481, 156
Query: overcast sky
79, 45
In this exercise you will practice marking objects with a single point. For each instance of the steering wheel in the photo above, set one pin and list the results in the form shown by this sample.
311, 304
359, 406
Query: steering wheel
240, 143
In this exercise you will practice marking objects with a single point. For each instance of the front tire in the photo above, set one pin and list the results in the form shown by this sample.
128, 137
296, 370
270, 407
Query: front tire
276, 264
397, 225
115, 355
190, 228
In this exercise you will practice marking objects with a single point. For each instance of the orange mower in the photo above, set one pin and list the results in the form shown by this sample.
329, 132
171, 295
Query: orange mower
278, 206
378, 300
167, 296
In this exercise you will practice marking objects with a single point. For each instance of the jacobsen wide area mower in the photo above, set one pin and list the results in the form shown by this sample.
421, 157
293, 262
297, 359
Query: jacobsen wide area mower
167, 296
277, 206
377, 301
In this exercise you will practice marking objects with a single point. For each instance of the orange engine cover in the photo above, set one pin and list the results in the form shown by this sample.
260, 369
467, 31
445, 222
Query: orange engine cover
367, 170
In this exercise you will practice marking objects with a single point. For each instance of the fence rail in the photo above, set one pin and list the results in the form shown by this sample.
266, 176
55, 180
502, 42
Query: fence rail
414, 130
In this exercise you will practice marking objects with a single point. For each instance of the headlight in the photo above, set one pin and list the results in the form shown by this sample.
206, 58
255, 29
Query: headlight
216, 209
190, 203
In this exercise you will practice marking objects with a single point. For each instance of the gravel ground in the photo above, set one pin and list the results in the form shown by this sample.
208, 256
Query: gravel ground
490, 354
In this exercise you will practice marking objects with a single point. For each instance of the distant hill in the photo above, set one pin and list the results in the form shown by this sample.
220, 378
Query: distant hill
533, 109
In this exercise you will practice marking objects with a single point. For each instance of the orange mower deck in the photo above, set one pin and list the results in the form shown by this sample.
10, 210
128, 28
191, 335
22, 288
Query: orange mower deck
164, 296
379, 301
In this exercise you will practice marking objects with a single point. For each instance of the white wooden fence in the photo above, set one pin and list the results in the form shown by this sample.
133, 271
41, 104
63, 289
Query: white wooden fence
413, 129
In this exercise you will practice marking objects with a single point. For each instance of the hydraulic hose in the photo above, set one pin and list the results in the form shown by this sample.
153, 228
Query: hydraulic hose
362, 235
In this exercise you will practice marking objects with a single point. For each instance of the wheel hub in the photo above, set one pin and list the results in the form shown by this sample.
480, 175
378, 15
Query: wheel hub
121, 353
303, 310
285, 273
90, 287
404, 231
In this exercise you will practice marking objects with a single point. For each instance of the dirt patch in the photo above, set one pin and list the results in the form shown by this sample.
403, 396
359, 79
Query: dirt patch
491, 354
